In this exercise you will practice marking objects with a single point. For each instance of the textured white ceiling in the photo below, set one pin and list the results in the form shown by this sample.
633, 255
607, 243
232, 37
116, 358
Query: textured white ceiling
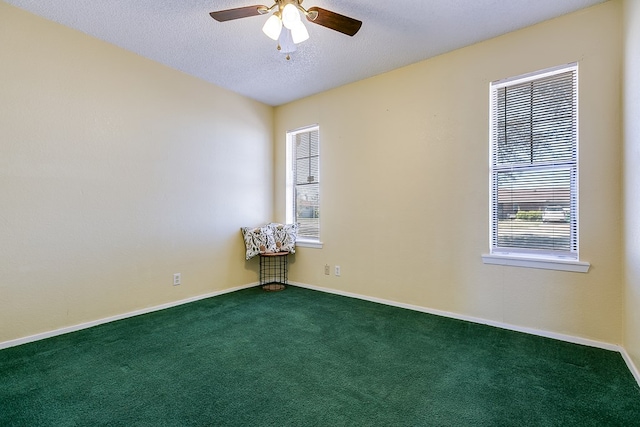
236, 54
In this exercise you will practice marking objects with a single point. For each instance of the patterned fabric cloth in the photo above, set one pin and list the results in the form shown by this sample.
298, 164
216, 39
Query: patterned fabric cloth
271, 238
284, 236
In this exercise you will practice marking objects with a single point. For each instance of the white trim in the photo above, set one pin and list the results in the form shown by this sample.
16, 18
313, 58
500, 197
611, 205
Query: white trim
74, 328
572, 66
289, 174
632, 366
531, 331
309, 244
303, 129
567, 338
574, 166
451, 315
290, 185
542, 263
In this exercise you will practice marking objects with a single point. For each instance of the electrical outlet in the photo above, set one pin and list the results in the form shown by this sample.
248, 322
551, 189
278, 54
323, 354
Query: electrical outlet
337, 270
177, 278
326, 269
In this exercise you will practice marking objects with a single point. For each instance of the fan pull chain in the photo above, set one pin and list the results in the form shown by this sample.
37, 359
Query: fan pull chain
286, 57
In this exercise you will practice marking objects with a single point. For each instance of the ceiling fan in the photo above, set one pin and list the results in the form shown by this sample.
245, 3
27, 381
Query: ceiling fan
285, 24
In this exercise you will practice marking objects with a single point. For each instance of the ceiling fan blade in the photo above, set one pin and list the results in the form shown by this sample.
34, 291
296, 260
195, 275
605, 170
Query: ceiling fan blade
237, 13
335, 21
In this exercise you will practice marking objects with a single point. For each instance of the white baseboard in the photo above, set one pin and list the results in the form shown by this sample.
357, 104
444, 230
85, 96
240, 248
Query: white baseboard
562, 337
74, 328
531, 331
632, 366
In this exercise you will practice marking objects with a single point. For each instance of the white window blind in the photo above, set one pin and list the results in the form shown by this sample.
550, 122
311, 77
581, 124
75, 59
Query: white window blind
534, 164
305, 171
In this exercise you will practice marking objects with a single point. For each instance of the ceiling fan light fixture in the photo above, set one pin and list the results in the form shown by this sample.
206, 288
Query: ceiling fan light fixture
290, 15
286, 26
299, 32
273, 27
285, 42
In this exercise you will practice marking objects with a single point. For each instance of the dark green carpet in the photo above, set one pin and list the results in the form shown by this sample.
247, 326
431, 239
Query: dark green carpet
304, 358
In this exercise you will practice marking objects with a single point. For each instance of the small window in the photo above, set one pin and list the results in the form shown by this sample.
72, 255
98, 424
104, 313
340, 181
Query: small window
534, 165
303, 182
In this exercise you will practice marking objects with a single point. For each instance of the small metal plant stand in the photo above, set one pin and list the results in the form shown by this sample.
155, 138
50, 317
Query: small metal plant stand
273, 271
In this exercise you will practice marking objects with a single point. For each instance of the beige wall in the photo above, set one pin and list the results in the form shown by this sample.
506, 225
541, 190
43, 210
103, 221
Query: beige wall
115, 173
632, 177
404, 173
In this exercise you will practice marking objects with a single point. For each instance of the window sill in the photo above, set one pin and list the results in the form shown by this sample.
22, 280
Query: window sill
309, 244
543, 263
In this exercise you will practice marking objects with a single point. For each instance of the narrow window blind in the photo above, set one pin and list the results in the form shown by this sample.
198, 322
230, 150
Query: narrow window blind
534, 165
306, 171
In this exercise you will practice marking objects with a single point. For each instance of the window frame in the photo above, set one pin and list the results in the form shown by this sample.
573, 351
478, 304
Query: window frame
290, 198
532, 257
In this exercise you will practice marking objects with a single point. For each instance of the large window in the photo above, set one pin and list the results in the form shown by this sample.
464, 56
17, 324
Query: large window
534, 165
303, 182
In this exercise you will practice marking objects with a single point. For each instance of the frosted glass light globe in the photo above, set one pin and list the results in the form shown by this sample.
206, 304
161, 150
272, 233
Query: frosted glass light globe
290, 16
